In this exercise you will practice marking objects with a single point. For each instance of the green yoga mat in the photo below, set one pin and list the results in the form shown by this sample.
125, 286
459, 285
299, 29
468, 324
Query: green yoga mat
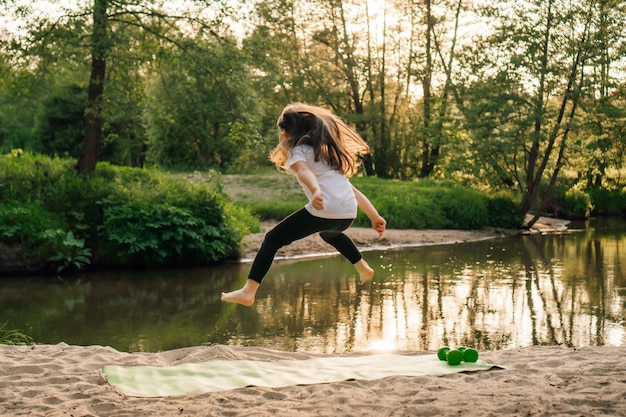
220, 375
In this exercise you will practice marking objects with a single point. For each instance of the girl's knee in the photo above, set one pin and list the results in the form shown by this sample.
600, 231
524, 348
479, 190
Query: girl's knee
273, 240
328, 237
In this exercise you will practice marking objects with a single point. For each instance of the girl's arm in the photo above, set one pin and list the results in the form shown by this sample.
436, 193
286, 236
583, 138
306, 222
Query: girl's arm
309, 180
378, 223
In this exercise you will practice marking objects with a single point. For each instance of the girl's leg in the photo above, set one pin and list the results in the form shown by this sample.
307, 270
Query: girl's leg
346, 247
297, 226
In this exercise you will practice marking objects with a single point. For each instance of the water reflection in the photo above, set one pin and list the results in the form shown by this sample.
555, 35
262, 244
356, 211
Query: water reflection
533, 290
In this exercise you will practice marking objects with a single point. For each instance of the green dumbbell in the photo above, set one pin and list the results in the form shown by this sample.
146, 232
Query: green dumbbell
454, 357
442, 352
470, 355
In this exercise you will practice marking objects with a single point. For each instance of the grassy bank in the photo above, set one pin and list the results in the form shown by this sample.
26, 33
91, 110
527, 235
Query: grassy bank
424, 204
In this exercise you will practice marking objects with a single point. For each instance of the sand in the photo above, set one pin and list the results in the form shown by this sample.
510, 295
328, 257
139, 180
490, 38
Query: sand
64, 380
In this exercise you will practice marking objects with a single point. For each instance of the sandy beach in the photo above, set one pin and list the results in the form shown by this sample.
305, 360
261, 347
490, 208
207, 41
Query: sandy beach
64, 380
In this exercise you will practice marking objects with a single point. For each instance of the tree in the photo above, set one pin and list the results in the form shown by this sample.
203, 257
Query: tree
107, 19
20, 92
338, 60
435, 126
538, 53
197, 117
600, 138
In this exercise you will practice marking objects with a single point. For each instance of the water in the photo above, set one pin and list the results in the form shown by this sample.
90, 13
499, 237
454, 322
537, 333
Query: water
567, 289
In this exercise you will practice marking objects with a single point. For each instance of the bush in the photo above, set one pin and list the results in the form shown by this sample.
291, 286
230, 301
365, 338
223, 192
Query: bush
124, 216
29, 236
503, 210
425, 204
72, 255
569, 202
165, 234
576, 204
608, 202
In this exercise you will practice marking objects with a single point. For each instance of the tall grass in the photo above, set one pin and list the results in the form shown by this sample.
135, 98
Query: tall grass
13, 336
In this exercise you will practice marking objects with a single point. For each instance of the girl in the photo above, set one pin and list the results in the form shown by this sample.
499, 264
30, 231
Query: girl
321, 151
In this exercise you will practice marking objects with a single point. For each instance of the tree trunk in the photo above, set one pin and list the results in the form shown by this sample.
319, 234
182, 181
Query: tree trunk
93, 115
533, 177
427, 163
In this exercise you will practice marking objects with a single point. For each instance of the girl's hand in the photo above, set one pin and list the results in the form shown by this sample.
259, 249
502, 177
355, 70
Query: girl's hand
379, 224
318, 200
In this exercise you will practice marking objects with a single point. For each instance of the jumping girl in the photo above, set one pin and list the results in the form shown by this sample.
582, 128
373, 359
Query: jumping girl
322, 152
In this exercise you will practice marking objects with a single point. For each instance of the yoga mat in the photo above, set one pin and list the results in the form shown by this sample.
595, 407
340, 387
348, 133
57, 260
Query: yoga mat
220, 375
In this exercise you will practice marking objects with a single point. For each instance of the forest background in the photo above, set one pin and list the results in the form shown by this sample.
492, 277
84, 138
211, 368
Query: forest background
524, 100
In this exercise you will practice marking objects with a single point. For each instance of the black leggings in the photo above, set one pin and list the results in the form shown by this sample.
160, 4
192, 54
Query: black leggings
297, 226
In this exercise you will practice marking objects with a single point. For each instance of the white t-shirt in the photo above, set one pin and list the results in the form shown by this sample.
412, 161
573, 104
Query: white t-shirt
339, 200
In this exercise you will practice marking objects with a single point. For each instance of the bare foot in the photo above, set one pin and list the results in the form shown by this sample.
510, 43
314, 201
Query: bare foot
243, 296
366, 273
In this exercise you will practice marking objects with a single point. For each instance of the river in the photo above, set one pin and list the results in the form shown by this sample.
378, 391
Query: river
565, 289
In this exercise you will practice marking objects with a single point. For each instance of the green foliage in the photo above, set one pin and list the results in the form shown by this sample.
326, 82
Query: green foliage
163, 234
12, 336
569, 201
20, 94
123, 216
276, 209
504, 210
200, 121
29, 234
424, 204
269, 194
576, 204
74, 254
608, 202
25, 223
61, 122
430, 204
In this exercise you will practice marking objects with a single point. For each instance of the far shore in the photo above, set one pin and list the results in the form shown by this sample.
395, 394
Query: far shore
367, 239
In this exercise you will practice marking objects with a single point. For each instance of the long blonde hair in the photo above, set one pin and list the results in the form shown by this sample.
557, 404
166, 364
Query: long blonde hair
332, 140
